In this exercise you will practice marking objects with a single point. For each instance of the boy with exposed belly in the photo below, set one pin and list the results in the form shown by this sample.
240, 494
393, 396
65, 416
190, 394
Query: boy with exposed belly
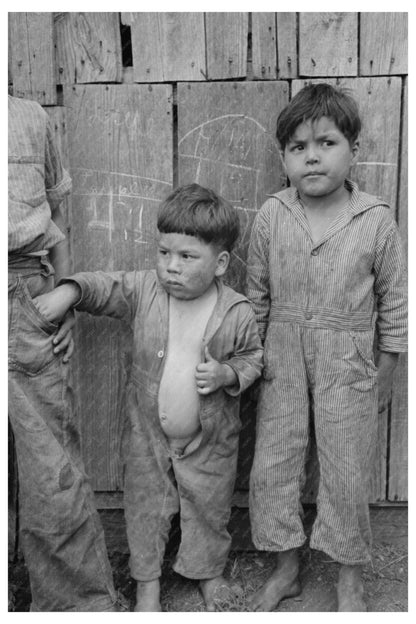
195, 349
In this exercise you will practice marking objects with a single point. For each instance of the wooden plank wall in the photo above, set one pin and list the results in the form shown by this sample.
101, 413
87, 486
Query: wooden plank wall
145, 101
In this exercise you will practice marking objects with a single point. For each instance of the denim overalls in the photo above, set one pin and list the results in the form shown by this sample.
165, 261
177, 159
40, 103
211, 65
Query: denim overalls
61, 535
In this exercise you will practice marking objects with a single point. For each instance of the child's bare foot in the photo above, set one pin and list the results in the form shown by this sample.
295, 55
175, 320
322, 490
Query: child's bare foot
148, 596
350, 589
283, 583
217, 590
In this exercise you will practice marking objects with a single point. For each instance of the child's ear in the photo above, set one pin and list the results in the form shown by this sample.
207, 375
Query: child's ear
282, 158
223, 260
355, 149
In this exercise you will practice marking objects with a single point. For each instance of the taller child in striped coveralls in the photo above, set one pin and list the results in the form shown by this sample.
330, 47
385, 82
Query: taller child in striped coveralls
325, 271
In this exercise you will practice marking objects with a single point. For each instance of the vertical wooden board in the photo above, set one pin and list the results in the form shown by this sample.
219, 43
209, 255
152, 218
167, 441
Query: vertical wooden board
226, 45
328, 44
377, 168
376, 171
383, 43
120, 148
402, 209
226, 142
167, 46
398, 466
263, 41
88, 47
287, 54
378, 476
33, 56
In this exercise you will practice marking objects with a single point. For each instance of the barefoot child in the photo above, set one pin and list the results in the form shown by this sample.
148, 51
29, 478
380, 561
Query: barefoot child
325, 271
196, 348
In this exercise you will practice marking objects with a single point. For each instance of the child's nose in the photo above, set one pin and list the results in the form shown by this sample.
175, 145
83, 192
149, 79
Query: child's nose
173, 265
311, 154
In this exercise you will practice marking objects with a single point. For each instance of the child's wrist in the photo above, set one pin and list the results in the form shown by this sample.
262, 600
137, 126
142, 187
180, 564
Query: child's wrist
71, 292
229, 375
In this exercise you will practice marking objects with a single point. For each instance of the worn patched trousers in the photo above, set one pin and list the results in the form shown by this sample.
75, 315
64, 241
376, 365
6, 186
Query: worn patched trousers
335, 371
61, 535
160, 482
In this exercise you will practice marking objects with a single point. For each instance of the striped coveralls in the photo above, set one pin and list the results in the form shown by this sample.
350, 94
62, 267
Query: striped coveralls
318, 306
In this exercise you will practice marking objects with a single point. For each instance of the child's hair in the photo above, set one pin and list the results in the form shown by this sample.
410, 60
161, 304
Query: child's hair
315, 101
197, 211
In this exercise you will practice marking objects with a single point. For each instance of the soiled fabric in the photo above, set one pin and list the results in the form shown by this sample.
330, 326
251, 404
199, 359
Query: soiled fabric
61, 535
197, 481
318, 306
37, 182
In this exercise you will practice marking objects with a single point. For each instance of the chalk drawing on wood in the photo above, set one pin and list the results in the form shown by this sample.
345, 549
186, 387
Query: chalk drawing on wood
114, 201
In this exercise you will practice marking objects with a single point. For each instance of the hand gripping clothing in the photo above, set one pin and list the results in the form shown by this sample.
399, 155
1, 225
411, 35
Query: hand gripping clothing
318, 306
159, 482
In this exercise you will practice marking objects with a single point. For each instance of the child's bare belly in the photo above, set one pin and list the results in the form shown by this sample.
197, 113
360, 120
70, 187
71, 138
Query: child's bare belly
178, 396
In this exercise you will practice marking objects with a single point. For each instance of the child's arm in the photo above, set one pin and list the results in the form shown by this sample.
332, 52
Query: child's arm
391, 292
55, 304
212, 375
237, 373
109, 294
258, 287
386, 363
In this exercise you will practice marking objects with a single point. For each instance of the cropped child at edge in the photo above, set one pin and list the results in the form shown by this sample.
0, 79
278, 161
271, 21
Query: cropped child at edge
325, 273
195, 349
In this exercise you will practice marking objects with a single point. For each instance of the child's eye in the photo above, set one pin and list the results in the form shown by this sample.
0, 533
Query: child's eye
328, 143
163, 252
297, 148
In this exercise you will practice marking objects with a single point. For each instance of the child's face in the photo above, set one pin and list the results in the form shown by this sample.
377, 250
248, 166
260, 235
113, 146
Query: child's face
318, 158
186, 266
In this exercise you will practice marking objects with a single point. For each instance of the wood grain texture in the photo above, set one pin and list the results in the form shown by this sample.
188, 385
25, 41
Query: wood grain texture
287, 54
88, 47
328, 44
226, 45
167, 46
383, 43
226, 142
120, 151
33, 56
264, 45
399, 432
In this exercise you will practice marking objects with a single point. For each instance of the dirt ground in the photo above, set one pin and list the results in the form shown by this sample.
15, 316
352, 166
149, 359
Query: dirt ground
385, 578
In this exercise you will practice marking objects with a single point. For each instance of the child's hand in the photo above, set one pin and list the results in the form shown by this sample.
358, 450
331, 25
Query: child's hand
56, 303
211, 375
386, 364
63, 340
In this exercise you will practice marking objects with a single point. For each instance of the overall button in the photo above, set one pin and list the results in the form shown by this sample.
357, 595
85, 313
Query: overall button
314, 252
160, 354
308, 316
